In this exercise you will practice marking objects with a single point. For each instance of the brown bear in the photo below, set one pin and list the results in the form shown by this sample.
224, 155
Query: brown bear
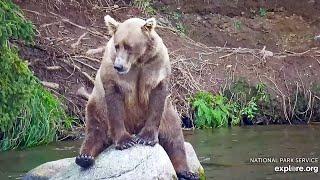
129, 103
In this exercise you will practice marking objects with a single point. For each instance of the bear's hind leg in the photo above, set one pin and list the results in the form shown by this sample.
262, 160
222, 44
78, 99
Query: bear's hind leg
176, 152
171, 139
96, 139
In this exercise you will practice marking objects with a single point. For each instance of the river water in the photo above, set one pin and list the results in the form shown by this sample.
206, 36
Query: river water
226, 153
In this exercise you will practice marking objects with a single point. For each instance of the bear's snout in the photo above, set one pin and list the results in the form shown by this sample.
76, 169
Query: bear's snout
121, 69
121, 65
118, 67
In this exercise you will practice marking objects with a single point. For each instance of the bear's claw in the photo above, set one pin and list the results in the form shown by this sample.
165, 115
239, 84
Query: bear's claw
187, 175
85, 160
128, 143
144, 141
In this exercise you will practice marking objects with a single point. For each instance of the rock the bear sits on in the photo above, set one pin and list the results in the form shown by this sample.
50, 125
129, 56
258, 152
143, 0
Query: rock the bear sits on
129, 103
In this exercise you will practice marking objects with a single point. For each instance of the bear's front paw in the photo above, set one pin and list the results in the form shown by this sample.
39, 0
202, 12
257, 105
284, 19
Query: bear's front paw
84, 160
187, 175
125, 142
149, 138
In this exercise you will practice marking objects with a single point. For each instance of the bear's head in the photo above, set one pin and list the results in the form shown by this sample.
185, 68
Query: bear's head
133, 40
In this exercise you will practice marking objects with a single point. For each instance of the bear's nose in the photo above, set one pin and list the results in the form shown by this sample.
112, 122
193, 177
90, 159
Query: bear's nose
118, 67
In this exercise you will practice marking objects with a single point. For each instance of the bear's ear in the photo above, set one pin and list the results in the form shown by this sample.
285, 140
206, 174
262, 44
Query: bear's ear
112, 24
150, 24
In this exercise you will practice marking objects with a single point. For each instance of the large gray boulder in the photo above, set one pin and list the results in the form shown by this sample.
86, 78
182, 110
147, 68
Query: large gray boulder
139, 162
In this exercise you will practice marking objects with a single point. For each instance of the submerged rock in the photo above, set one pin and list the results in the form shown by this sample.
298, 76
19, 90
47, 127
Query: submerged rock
139, 162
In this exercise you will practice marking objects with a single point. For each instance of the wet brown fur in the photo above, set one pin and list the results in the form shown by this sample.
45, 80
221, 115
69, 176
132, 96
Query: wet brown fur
134, 103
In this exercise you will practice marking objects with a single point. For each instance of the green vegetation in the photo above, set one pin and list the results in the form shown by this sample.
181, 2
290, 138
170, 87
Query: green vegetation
145, 6
210, 110
176, 15
30, 115
248, 101
237, 25
241, 101
181, 28
177, 18
262, 12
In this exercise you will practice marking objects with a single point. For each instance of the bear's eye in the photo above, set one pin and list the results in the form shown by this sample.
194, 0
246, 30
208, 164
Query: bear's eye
127, 47
117, 46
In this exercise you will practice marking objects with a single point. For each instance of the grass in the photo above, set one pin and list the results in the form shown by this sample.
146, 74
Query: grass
41, 121
30, 115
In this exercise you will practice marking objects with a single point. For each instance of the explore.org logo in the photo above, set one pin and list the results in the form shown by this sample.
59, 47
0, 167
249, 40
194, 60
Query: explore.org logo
291, 168
288, 164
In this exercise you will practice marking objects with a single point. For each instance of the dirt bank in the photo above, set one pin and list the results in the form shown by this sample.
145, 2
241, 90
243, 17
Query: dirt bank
66, 30
278, 25
309, 9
